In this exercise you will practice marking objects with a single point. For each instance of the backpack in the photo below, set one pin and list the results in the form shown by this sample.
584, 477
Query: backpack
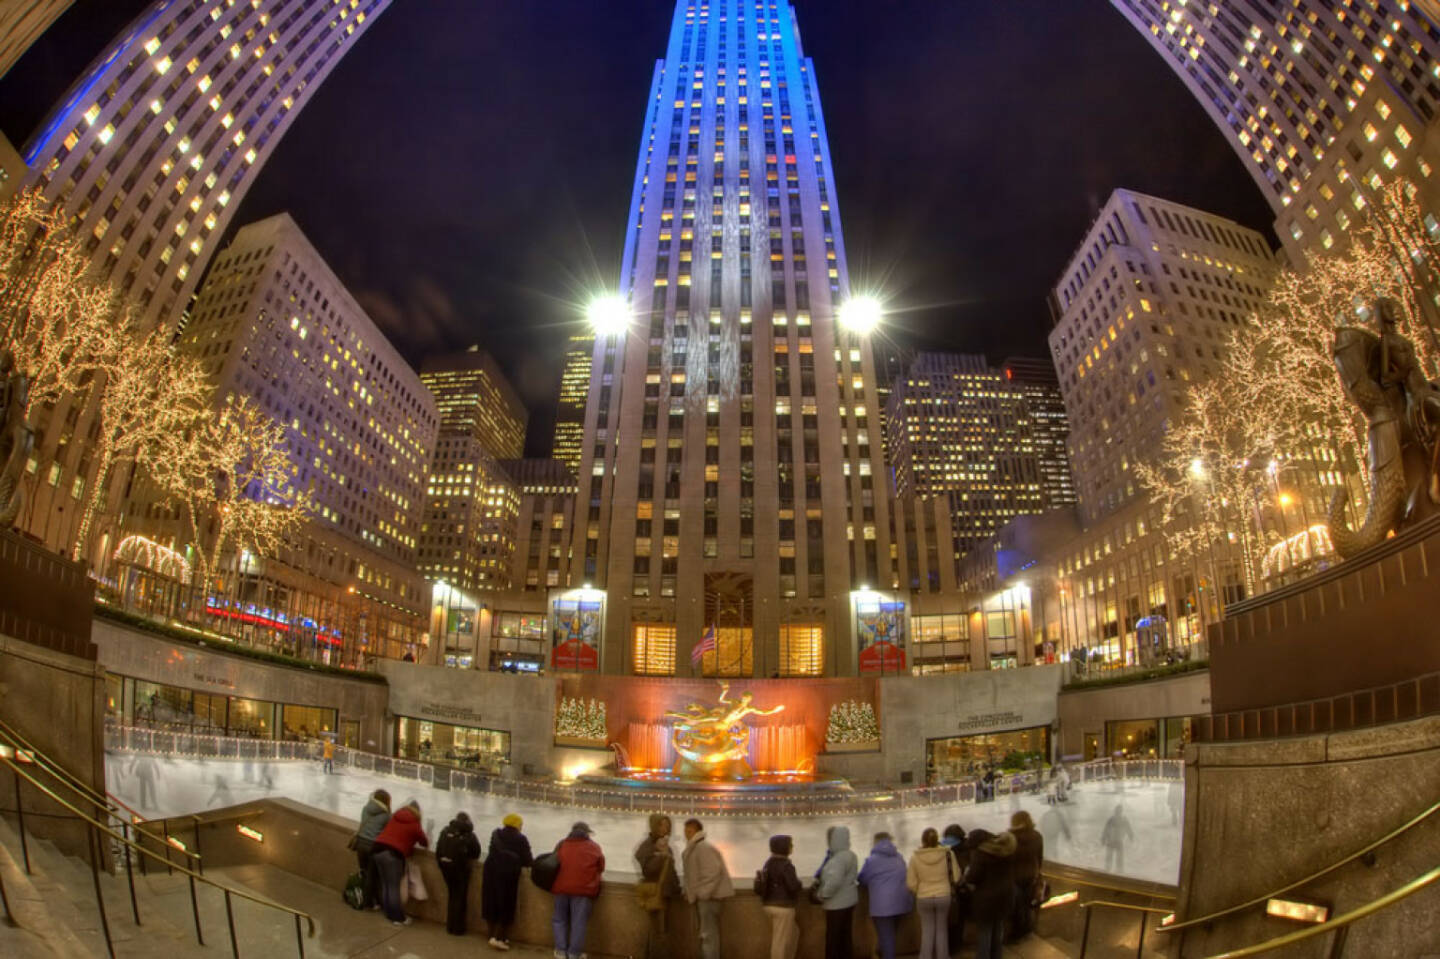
354, 893
545, 870
450, 847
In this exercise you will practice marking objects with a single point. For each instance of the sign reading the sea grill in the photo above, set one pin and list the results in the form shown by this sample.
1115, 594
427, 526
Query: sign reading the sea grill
449, 713
1003, 720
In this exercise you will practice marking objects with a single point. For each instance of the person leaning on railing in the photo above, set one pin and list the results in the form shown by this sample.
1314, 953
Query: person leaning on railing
372, 819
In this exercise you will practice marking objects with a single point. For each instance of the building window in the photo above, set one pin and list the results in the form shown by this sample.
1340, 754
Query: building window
654, 648
802, 649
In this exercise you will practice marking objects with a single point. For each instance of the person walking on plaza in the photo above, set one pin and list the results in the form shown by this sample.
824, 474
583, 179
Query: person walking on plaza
931, 875
890, 901
659, 883
392, 849
456, 850
838, 892
993, 897
779, 890
1029, 858
372, 819
707, 885
500, 879
577, 884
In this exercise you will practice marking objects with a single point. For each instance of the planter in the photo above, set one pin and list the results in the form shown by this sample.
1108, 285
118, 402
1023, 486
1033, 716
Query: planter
869, 746
577, 743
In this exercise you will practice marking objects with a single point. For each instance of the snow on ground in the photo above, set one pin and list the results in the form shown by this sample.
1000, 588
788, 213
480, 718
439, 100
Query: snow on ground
160, 786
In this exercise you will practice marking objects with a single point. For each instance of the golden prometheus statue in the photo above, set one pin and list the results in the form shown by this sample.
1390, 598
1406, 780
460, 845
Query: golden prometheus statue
713, 743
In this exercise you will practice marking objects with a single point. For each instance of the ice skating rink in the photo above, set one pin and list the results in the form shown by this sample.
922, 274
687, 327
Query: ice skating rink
159, 786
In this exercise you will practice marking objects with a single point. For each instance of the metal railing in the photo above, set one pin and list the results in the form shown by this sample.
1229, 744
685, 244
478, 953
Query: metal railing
21, 761
624, 799
1339, 924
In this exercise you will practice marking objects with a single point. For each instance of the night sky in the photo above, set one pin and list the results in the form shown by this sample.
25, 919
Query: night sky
466, 170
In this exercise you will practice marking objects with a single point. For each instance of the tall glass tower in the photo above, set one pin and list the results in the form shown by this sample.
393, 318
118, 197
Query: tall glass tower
731, 478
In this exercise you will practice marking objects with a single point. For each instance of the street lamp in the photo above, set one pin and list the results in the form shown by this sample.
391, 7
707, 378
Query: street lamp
608, 314
861, 314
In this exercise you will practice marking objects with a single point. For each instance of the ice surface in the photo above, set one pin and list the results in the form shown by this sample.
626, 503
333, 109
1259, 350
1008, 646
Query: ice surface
161, 786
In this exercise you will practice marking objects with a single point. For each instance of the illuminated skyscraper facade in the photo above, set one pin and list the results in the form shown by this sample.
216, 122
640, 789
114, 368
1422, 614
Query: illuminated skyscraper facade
570, 411
1324, 100
21, 23
471, 505
731, 476
1036, 381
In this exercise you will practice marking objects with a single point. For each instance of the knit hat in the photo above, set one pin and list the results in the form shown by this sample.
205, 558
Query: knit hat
513, 820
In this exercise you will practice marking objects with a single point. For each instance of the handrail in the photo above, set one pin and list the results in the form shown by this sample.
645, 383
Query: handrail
1124, 905
1405, 827
1339, 922
1127, 890
253, 897
74, 783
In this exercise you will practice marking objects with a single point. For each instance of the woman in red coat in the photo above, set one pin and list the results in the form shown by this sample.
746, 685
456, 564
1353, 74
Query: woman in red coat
392, 847
576, 886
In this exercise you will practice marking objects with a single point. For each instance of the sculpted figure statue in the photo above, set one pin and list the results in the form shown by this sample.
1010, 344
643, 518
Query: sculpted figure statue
16, 439
1383, 377
714, 743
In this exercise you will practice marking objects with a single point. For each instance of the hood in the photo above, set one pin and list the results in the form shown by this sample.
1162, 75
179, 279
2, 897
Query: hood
838, 839
930, 855
656, 819
698, 837
885, 848
780, 845
1001, 846
462, 824
405, 814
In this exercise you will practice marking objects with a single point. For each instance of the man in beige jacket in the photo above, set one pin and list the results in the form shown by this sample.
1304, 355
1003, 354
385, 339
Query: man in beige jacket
707, 885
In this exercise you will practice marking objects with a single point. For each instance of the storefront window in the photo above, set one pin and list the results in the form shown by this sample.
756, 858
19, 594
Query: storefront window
306, 722
653, 648
252, 717
802, 649
520, 625
468, 747
963, 757
941, 628
1134, 739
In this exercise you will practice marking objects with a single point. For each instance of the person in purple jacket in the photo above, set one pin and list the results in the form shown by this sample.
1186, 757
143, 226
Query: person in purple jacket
890, 901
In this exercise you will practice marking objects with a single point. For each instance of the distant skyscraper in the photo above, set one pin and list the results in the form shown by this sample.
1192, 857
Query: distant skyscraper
275, 324
569, 442
959, 430
1035, 379
732, 446
153, 148
471, 504
21, 23
1322, 99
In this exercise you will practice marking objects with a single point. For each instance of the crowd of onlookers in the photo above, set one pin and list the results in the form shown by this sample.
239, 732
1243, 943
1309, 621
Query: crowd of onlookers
991, 881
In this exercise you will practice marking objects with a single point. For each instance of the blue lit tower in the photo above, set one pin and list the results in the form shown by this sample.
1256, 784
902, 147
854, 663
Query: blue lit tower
731, 475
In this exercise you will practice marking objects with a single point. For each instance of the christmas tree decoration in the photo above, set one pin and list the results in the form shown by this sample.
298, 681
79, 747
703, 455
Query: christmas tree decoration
579, 719
852, 722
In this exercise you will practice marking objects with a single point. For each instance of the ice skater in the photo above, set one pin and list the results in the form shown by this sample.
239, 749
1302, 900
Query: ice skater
221, 793
327, 756
1113, 837
1176, 801
144, 770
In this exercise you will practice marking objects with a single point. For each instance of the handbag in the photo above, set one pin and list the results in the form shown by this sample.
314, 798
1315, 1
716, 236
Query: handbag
649, 894
415, 882
544, 870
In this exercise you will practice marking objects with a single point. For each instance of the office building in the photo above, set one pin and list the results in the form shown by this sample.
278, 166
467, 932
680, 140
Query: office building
1035, 380
733, 366
570, 411
21, 23
1323, 100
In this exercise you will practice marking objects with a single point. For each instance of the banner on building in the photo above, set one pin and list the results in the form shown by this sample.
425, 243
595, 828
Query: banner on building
881, 632
576, 634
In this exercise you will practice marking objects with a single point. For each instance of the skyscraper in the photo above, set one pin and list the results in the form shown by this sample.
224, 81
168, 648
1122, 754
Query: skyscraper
21, 22
153, 148
471, 503
1323, 100
732, 450
1036, 381
570, 411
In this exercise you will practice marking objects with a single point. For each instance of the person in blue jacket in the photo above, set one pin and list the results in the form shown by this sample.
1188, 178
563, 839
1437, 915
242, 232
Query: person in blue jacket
883, 875
837, 892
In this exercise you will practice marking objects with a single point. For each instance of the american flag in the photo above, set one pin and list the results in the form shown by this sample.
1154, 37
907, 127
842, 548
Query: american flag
706, 645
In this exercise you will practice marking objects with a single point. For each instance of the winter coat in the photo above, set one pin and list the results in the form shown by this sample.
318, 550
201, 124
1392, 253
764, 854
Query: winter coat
652, 854
1117, 832
457, 844
403, 832
705, 874
372, 819
779, 886
991, 875
500, 876
932, 871
1029, 854
884, 876
581, 866
839, 871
